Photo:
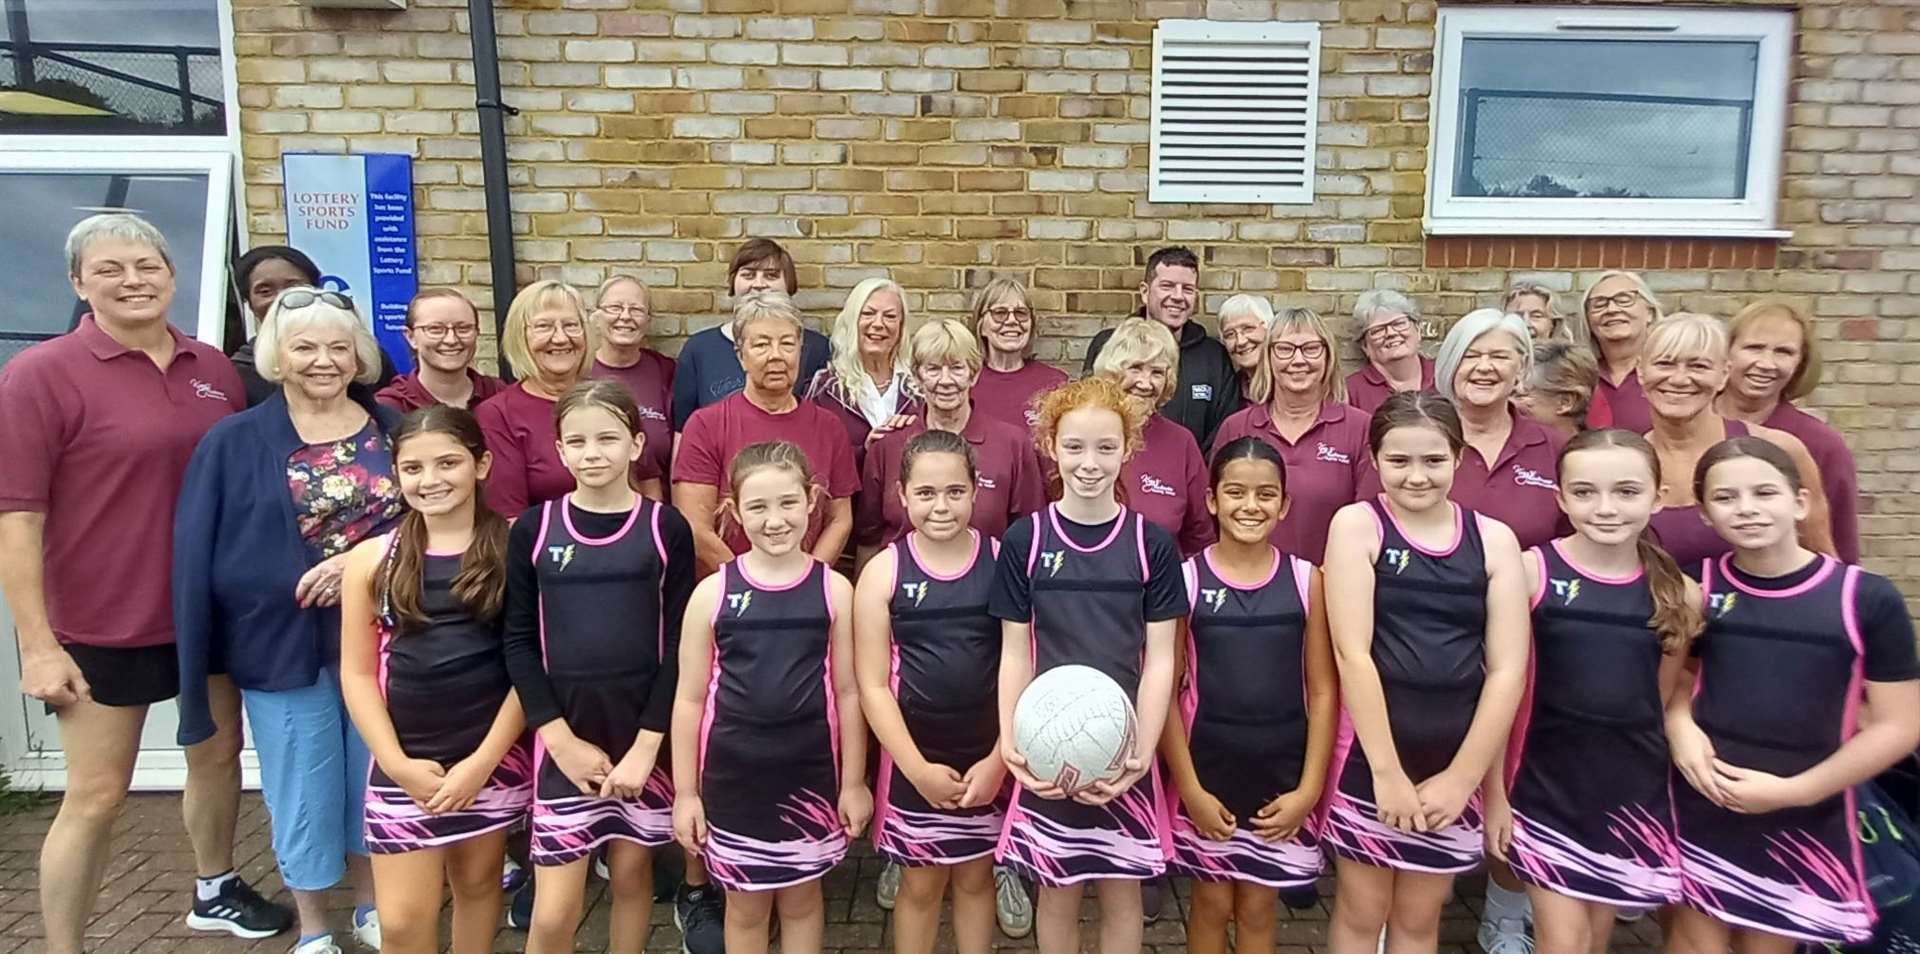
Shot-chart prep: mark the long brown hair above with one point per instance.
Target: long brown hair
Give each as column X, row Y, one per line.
column 1677, row 616
column 482, row 581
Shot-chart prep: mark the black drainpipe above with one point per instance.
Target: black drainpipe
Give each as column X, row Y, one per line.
column 493, row 163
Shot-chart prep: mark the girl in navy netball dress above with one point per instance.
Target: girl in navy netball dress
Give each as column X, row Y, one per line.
column 1248, row 744
column 1427, row 603
column 425, row 680
column 1769, row 742
column 929, row 664
column 1583, row 814
column 769, row 747
column 597, row 582
column 1090, row 582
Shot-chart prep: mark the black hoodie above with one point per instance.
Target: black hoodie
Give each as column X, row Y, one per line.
column 1208, row 389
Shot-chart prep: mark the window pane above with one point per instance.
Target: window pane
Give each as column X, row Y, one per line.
column 43, row 206
column 1588, row 118
column 144, row 67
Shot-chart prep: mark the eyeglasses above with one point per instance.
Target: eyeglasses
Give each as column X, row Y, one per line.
column 1005, row 314
column 1386, row 329
column 625, row 311
column 1625, row 299
column 547, row 329
column 438, row 332
column 299, row 298
column 1286, row 350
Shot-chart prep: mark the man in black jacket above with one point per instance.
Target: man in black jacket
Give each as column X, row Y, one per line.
column 1207, row 390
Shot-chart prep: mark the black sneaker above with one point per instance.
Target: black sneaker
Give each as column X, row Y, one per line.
column 520, row 911
column 1303, row 898
column 700, row 912
column 240, row 911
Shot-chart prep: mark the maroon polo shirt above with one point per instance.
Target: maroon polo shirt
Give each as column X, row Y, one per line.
column 651, row 381
column 527, row 469
column 406, row 393
column 1520, row 487
column 97, row 438
column 1008, row 480
column 1008, row 395
column 1166, row 482
column 718, row 431
column 1325, row 469
column 1622, row 406
column 1838, row 475
column 1367, row 388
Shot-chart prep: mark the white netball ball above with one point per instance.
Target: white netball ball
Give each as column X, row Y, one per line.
column 1074, row 726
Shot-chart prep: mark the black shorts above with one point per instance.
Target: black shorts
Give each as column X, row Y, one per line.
column 139, row 676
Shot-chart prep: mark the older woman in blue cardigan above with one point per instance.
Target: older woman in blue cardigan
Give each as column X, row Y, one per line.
column 273, row 499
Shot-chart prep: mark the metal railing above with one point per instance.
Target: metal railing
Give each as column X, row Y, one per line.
column 1539, row 143
column 147, row 88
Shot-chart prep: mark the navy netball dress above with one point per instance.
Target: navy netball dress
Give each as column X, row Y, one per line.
column 1592, row 814
column 1089, row 592
column 1429, row 645
column 770, row 736
column 1782, row 664
column 945, row 674
column 1245, row 702
column 608, row 645
column 443, row 683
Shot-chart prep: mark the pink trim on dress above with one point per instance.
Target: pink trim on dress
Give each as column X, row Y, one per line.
column 660, row 591
column 1272, row 571
column 546, row 519
column 1819, row 576
column 922, row 564
column 443, row 553
column 566, row 519
column 1559, row 546
column 1540, row 574
column 1191, row 575
column 1850, row 723
column 1459, row 528
column 1140, row 545
column 740, row 567
column 1053, row 514
column 1302, row 581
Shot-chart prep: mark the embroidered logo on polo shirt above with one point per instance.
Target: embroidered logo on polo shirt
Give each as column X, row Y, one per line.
column 1567, row 590
column 1720, row 603
column 1528, row 477
column 651, row 414
column 1326, row 453
column 1214, row 599
column 202, row 389
column 1203, row 392
column 1033, row 417
column 918, row 591
column 1150, row 484
column 1053, row 560
column 1397, row 558
column 738, row 602
column 985, row 482
column 561, row 555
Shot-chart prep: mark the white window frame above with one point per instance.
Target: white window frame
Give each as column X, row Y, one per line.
column 1213, row 31
column 1755, row 216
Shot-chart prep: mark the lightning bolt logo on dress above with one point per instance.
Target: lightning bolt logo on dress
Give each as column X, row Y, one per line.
column 738, row 602
column 1397, row 558
column 1567, row 590
column 1053, row 560
column 1215, row 599
column 1720, row 603
column 916, row 591
column 561, row 555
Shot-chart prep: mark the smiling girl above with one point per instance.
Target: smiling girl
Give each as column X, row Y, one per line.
column 1248, row 745
column 1769, row 741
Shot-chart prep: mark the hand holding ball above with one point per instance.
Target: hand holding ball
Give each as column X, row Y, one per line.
column 1075, row 726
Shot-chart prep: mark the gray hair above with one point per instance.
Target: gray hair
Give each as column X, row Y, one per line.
column 1376, row 300
column 113, row 225
column 1468, row 330
column 281, row 323
column 770, row 303
column 1246, row 305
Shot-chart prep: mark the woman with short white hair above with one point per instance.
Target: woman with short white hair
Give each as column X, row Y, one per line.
column 1166, row 479
column 1388, row 326
column 272, row 501
column 1534, row 302
column 1508, row 469
column 867, row 383
column 1243, row 329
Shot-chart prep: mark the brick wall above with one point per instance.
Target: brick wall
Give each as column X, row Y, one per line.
column 947, row 141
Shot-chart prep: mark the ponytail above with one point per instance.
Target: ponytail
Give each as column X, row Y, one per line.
column 1677, row 616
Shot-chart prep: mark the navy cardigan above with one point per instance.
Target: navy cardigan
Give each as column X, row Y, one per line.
column 237, row 556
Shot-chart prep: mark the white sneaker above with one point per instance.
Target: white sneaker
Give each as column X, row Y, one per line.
column 1012, row 908
column 319, row 945
column 1382, row 946
column 367, row 931
column 887, row 886
column 1626, row 915
column 600, row 867
column 1505, row 936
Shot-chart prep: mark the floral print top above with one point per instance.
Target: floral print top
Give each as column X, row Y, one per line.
column 343, row 491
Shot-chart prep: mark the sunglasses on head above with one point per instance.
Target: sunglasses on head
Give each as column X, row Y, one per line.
column 298, row 298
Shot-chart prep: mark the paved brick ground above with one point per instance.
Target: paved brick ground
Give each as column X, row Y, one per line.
column 141, row 903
